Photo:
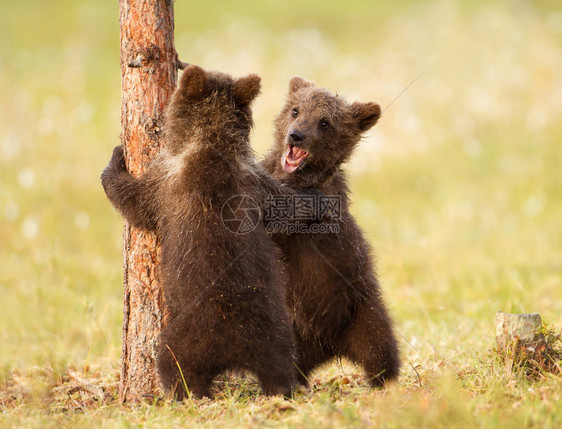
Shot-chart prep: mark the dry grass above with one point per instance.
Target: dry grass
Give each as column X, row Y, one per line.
column 482, row 393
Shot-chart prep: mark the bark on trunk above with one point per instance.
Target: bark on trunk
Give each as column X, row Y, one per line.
column 148, row 78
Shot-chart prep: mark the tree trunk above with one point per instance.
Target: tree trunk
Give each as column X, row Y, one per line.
column 148, row 78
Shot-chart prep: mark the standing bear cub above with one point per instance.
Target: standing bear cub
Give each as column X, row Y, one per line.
column 333, row 293
column 224, row 291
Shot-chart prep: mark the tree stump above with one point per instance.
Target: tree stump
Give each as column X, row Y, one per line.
column 517, row 336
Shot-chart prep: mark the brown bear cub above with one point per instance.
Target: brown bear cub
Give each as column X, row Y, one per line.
column 224, row 291
column 333, row 292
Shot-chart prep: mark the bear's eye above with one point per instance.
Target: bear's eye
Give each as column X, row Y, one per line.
column 324, row 124
column 295, row 112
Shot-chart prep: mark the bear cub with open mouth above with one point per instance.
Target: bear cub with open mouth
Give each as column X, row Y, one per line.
column 332, row 290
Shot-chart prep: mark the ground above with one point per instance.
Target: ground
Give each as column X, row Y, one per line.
column 458, row 188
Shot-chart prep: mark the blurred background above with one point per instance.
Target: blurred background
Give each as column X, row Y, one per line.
column 458, row 187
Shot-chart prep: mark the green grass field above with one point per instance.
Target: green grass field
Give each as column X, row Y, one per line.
column 459, row 189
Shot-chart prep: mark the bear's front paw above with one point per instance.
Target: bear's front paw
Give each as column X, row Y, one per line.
column 118, row 159
column 114, row 168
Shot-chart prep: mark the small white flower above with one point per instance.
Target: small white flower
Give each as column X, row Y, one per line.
column 30, row 227
column 11, row 146
column 26, row 177
column 535, row 204
column 82, row 220
column 11, row 211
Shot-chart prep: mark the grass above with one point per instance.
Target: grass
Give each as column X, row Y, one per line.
column 458, row 188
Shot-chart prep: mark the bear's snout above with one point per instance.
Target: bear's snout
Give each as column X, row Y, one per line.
column 296, row 136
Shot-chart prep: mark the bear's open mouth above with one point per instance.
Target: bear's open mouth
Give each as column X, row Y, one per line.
column 293, row 158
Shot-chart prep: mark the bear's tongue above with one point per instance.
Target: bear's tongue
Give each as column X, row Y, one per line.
column 293, row 158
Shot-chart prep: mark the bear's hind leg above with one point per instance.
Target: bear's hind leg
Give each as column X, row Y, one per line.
column 182, row 365
column 271, row 358
column 370, row 342
column 311, row 353
column 276, row 373
column 198, row 385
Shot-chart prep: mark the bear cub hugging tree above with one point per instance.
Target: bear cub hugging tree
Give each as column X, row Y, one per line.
column 333, row 293
column 224, row 291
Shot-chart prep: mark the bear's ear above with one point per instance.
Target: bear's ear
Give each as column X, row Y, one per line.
column 246, row 89
column 297, row 83
column 365, row 114
column 194, row 82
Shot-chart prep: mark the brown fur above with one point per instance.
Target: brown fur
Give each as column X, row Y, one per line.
column 333, row 292
column 224, row 291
